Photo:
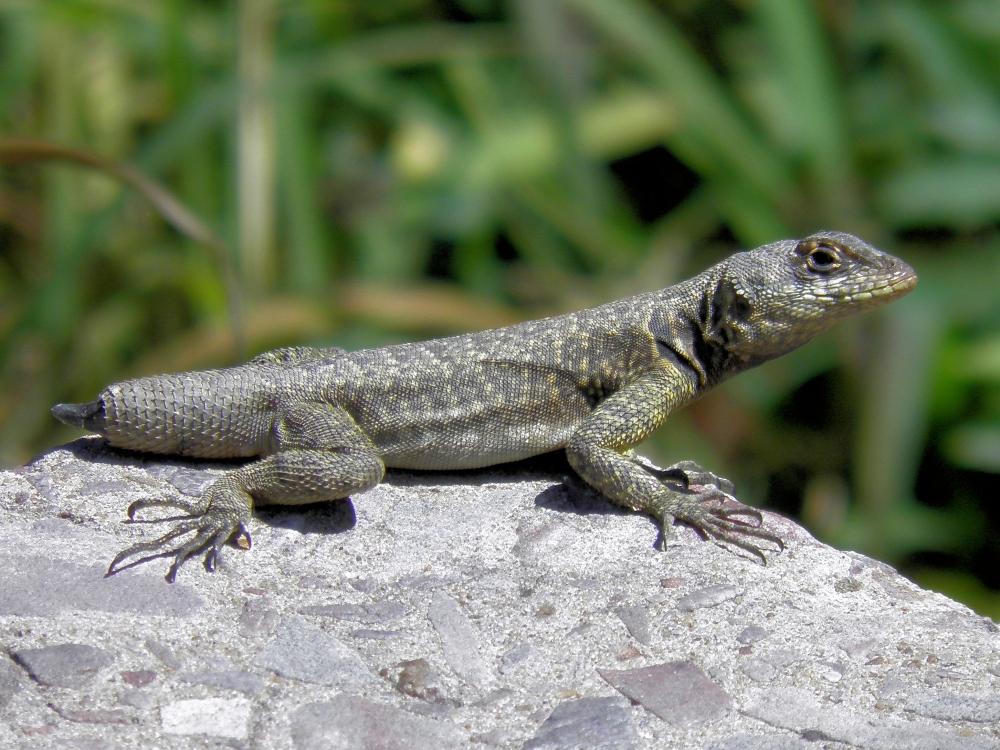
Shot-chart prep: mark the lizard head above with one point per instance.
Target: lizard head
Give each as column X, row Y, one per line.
column 770, row 300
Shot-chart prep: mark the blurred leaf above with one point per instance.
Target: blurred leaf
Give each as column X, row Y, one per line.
column 269, row 324
column 964, row 108
column 426, row 307
column 717, row 136
column 974, row 446
column 962, row 193
column 803, row 63
column 628, row 120
column 981, row 360
column 166, row 203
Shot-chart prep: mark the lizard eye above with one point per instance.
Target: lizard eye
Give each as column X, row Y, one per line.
column 822, row 260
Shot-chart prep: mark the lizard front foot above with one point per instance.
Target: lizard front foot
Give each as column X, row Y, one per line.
column 715, row 514
column 212, row 525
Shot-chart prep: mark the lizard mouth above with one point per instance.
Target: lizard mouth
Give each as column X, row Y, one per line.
column 901, row 282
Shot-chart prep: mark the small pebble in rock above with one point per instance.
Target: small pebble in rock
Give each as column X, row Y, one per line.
column 241, row 681
column 751, row 634
column 847, row 585
column 258, row 618
column 217, row 717
column 710, row 596
column 68, row 665
column 459, row 640
column 163, row 653
column 135, row 699
column 418, row 679
column 301, row 651
column 759, row 670
column 830, row 671
column 678, row 692
column 347, row 721
column 138, row 679
column 636, row 622
column 591, row 723
column 516, row 657
column 378, row 635
column 372, row 612
column 113, row 716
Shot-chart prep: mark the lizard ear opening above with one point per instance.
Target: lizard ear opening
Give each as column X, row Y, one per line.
column 726, row 310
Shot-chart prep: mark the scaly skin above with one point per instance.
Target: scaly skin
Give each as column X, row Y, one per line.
column 326, row 423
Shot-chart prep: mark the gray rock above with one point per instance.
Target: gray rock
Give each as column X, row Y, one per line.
column 517, row 656
column 941, row 704
column 192, row 482
column 258, row 618
column 710, row 596
column 800, row 711
column 587, row 724
column 41, row 586
column 636, row 622
column 759, row 670
column 85, row 743
column 301, row 651
column 136, row 699
column 751, row 634
column 369, row 613
column 509, row 561
column 349, row 722
column 678, row 692
column 68, row 665
column 163, row 653
column 458, row 640
column 762, row 742
column 100, row 716
column 10, row 680
column 241, row 681
column 378, row 635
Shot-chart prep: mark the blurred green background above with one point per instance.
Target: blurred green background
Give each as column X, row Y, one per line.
column 377, row 172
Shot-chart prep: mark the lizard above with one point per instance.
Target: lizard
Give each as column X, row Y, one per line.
column 325, row 424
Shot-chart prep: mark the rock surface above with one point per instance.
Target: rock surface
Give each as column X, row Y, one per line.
column 506, row 608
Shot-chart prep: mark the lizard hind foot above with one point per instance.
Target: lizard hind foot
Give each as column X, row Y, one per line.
column 719, row 516
column 211, row 530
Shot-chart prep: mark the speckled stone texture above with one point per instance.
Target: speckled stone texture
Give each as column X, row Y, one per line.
column 503, row 608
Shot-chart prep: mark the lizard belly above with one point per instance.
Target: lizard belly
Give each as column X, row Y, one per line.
column 462, row 416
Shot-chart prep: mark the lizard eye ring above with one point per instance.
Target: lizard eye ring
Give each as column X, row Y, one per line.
column 823, row 259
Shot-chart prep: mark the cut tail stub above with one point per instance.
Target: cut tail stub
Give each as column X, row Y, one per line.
column 85, row 416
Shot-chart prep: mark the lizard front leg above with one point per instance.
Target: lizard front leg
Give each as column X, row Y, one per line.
column 599, row 453
column 321, row 454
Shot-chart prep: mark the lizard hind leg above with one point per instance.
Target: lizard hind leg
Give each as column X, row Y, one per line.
column 321, row 454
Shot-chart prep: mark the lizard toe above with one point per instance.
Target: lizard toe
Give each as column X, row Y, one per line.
column 191, row 509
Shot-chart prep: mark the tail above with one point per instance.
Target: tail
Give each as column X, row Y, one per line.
column 89, row 417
